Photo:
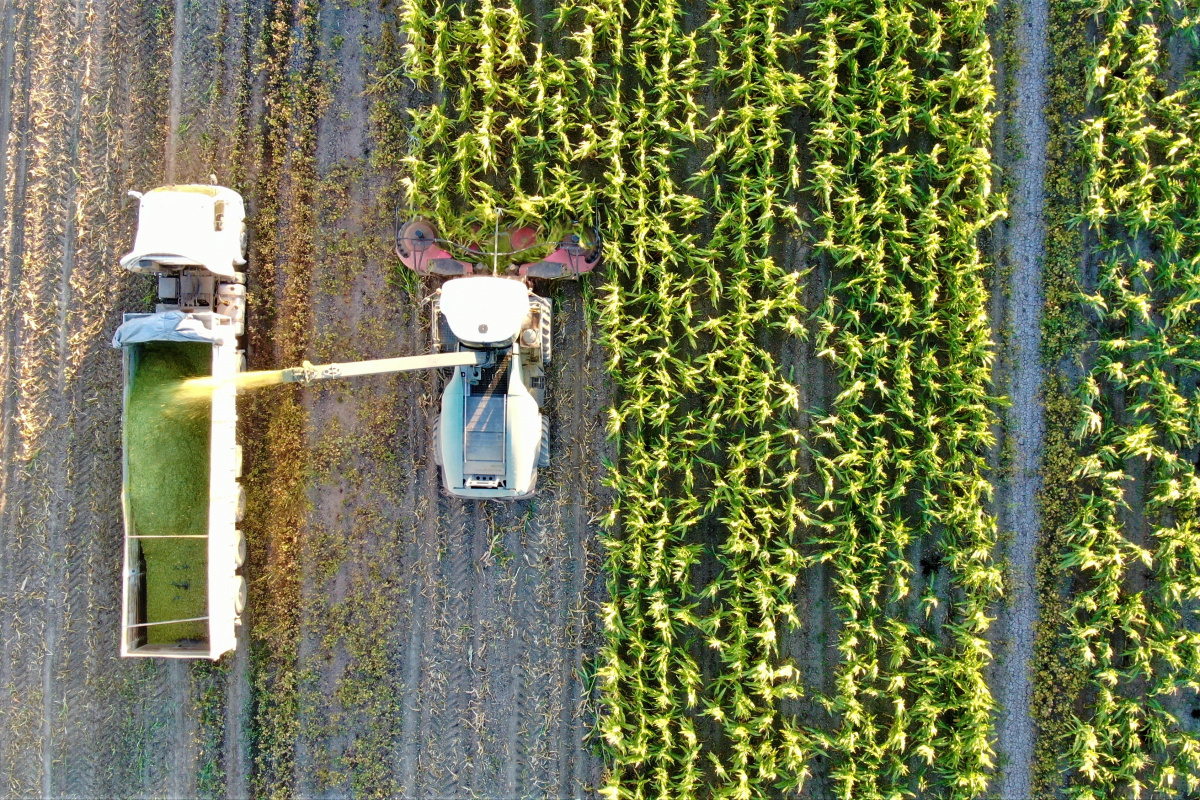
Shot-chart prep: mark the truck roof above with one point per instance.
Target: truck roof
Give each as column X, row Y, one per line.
column 191, row 225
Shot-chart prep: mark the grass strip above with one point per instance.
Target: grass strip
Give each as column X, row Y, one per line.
column 1057, row 682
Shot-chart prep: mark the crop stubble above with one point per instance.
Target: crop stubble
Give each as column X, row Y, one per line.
column 72, row 71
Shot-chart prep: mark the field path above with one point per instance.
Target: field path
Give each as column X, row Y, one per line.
column 176, row 90
column 1025, row 417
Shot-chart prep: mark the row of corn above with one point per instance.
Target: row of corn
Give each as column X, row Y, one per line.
column 902, row 122
column 705, row 417
column 1134, row 548
column 677, row 125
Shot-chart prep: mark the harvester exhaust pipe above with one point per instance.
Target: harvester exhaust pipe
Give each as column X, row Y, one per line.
column 306, row 373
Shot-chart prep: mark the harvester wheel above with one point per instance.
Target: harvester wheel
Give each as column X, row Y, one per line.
column 544, row 455
column 239, row 599
column 547, row 332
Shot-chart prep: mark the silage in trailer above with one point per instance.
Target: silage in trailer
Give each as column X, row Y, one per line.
column 168, row 452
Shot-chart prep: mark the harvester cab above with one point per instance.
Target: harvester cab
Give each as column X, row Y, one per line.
column 491, row 436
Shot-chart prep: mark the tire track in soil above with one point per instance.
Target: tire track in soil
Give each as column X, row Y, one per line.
column 12, row 483
column 62, row 505
column 175, row 99
column 537, row 657
column 577, row 405
column 443, row 761
column 481, row 523
column 413, row 719
column 1025, row 243
column 456, row 577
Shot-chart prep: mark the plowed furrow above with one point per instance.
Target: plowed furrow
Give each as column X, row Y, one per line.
column 457, row 577
column 15, row 636
column 413, row 656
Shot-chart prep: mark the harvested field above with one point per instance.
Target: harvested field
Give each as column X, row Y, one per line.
column 791, row 535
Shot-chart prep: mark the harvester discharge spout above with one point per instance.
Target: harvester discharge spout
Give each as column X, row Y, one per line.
column 308, row 373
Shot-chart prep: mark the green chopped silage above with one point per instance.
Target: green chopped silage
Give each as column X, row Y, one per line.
column 176, row 588
column 168, row 450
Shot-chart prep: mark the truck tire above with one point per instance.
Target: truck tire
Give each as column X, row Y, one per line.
column 437, row 441
column 544, row 455
column 239, row 599
column 239, row 549
column 240, row 513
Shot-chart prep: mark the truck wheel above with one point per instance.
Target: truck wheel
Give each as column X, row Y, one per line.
column 240, row 514
column 239, row 600
column 544, row 455
column 437, row 441
column 239, row 550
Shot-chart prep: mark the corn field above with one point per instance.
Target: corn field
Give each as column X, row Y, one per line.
column 1135, row 545
column 618, row 119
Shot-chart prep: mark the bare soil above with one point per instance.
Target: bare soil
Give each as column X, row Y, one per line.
column 1019, row 249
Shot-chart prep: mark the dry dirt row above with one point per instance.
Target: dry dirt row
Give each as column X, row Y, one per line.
column 1021, row 142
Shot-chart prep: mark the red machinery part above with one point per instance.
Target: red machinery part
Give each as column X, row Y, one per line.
column 570, row 259
column 418, row 249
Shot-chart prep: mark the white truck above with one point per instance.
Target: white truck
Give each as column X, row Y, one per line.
column 182, row 596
